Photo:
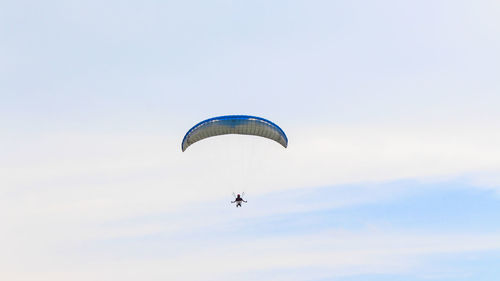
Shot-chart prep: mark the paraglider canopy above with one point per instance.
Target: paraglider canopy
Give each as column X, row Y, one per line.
column 235, row 124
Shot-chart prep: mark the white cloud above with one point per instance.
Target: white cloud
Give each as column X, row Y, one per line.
column 333, row 253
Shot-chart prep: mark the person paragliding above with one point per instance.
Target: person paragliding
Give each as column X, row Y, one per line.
column 238, row 201
column 234, row 124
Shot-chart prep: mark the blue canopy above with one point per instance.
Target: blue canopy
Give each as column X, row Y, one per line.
column 235, row 124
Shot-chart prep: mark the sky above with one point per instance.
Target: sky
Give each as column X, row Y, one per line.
column 391, row 110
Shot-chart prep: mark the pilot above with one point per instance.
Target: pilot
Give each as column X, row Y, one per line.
column 238, row 201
